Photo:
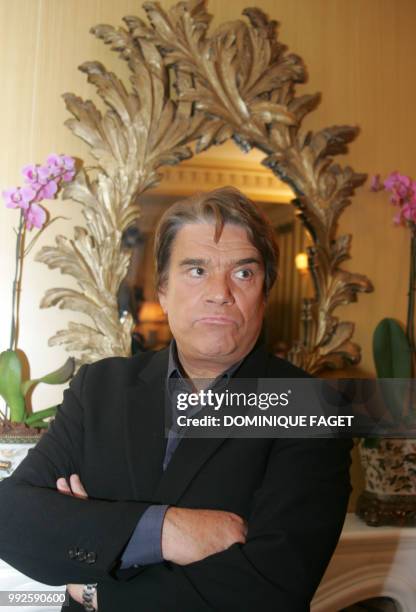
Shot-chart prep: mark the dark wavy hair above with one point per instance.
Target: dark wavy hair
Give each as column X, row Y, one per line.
column 220, row 206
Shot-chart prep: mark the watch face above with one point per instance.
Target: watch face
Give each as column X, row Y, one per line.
column 87, row 596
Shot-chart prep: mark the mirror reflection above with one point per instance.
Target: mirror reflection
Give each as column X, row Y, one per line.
column 282, row 324
column 221, row 165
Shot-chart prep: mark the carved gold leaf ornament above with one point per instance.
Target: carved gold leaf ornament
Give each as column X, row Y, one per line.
column 190, row 88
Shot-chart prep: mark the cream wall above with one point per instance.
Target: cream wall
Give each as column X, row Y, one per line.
column 360, row 54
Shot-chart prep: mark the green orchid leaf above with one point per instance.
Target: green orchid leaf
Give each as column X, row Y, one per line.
column 58, row 377
column 391, row 350
column 39, row 425
column 393, row 359
column 39, row 415
column 10, row 381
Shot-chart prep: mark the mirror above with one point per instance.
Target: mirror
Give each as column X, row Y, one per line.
column 283, row 324
column 190, row 89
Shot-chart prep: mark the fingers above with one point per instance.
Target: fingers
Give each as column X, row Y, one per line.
column 242, row 528
column 236, row 517
column 63, row 487
column 240, row 540
column 242, row 534
column 241, row 522
column 75, row 487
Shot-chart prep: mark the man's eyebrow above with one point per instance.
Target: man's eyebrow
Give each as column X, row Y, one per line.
column 246, row 260
column 192, row 261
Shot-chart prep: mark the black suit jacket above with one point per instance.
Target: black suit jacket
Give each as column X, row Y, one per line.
column 110, row 431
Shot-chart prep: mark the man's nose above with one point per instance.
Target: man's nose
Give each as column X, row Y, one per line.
column 219, row 291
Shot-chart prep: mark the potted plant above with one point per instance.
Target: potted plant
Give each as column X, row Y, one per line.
column 390, row 463
column 19, row 427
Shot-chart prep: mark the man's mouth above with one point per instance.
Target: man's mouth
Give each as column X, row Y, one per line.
column 217, row 320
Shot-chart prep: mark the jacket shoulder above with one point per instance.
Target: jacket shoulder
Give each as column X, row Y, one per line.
column 120, row 369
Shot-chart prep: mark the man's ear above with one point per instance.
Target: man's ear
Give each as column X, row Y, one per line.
column 162, row 299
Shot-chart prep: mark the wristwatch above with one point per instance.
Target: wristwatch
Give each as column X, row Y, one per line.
column 88, row 593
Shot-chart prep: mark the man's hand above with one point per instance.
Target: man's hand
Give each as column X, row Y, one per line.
column 188, row 535
column 191, row 535
column 76, row 489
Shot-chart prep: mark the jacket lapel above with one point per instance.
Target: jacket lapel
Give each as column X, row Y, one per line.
column 192, row 453
column 145, row 432
column 145, row 440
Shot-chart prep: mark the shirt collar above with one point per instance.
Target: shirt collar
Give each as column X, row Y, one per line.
column 177, row 381
column 176, row 370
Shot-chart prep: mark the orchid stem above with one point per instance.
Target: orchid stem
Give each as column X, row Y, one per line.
column 35, row 238
column 17, row 282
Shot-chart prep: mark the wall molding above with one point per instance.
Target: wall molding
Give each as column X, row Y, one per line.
column 254, row 181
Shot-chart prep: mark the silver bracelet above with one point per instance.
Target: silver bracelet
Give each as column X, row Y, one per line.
column 88, row 593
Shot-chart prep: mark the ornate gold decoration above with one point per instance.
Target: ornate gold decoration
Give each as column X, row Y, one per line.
column 188, row 87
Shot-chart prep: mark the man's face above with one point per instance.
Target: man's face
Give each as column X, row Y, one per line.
column 214, row 295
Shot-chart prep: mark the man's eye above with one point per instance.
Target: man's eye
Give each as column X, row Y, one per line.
column 244, row 274
column 197, row 271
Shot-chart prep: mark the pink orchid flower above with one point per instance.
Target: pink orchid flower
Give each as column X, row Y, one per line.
column 391, row 180
column 62, row 165
column 35, row 216
column 19, row 197
column 37, row 175
column 46, row 174
column 396, row 197
column 30, row 173
column 42, row 182
column 403, row 195
column 47, row 191
column 402, row 189
column 409, row 211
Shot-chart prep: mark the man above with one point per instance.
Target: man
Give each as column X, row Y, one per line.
column 158, row 524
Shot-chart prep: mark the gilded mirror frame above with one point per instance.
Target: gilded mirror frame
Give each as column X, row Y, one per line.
column 189, row 88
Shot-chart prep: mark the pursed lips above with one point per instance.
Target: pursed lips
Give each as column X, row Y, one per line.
column 216, row 320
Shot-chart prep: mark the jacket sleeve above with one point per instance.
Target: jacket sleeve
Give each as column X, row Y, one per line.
column 55, row 538
column 295, row 522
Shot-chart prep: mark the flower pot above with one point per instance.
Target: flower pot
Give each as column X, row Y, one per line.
column 389, row 468
column 15, row 442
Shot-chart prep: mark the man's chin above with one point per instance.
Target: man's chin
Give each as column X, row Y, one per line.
column 216, row 349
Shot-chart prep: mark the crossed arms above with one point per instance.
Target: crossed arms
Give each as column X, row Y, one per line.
column 188, row 535
column 213, row 560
